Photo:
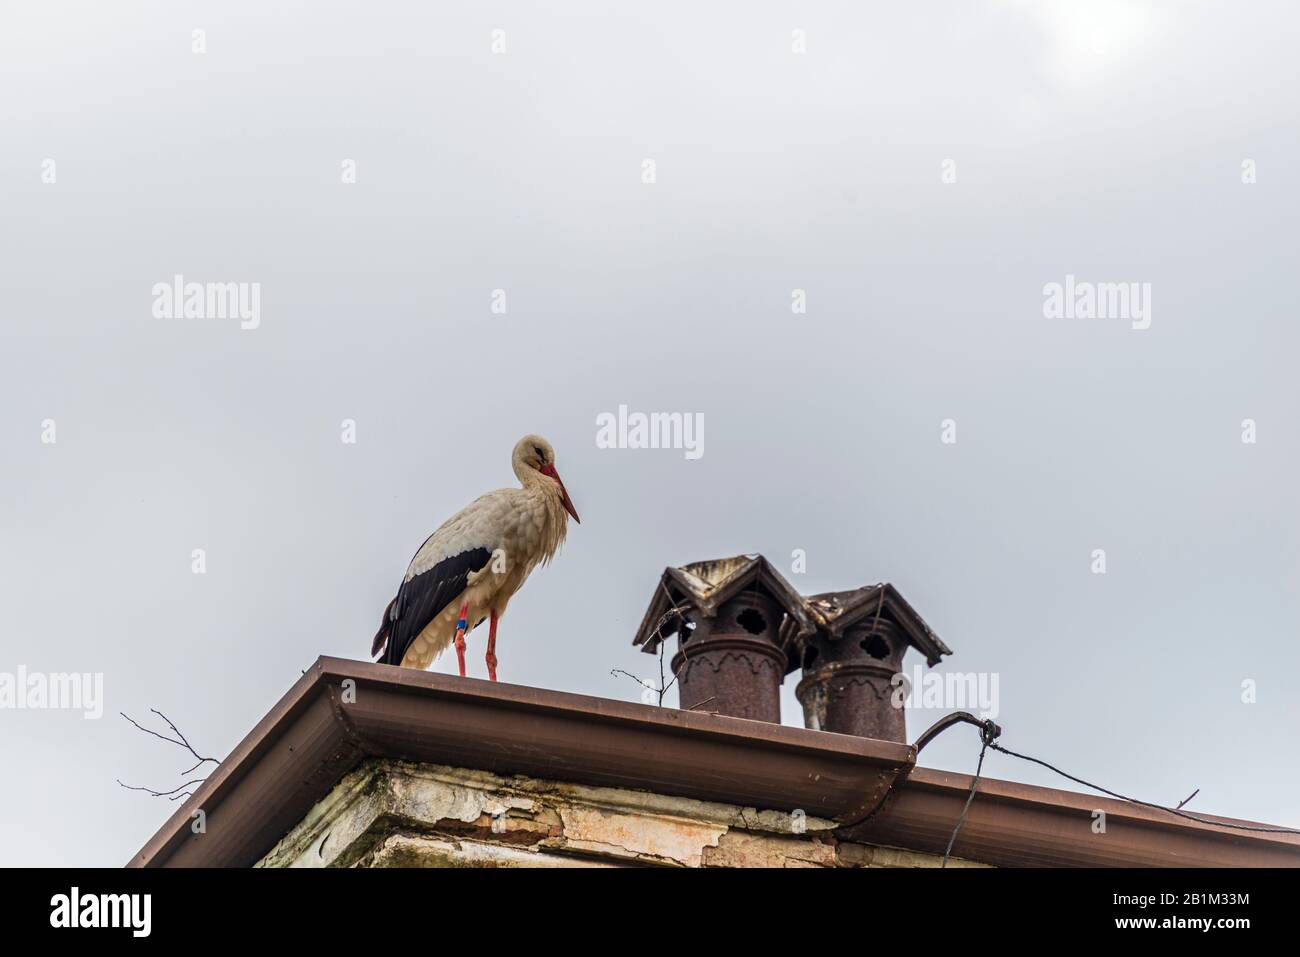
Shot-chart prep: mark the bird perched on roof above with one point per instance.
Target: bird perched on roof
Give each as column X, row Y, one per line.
column 475, row 562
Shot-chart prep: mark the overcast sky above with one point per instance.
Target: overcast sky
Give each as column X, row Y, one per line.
column 1104, row 141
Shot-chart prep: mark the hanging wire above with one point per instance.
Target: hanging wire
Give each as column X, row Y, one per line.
column 1158, row 807
column 989, row 732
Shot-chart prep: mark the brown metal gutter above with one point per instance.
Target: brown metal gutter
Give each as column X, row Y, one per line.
column 312, row 738
column 1020, row 825
column 341, row 712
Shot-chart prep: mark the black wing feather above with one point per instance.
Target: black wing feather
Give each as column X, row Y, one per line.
column 423, row 598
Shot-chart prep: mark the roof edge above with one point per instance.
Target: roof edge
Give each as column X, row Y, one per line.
column 311, row 738
column 316, row 733
column 1010, row 824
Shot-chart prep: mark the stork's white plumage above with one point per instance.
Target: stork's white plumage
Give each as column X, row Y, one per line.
column 470, row 567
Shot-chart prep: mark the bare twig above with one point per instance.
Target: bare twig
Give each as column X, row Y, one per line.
column 171, row 795
column 674, row 611
column 662, row 689
column 628, row 674
column 1186, row 799
column 180, row 741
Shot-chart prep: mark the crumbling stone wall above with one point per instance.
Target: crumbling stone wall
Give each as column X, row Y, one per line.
column 394, row 814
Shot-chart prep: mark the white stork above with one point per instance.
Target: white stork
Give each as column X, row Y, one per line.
column 475, row 562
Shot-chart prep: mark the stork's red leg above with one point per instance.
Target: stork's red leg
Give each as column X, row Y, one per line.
column 492, row 648
column 461, row 624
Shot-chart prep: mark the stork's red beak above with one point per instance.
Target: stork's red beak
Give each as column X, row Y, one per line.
column 564, row 493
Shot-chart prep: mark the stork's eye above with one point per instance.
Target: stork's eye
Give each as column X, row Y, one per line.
column 541, row 457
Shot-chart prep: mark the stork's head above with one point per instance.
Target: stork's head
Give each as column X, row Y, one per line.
column 534, row 454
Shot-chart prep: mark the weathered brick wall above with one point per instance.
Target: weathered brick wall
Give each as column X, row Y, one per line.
column 395, row 814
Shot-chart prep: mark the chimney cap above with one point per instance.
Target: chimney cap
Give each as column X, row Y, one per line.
column 708, row 585
column 836, row 611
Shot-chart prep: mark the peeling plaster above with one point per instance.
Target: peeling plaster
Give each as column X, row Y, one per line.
column 391, row 813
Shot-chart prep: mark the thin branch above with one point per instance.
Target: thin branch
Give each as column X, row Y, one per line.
column 166, row 794
column 183, row 742
column 661, row 689
column 180, row 791
column 627, row 674
column 149, row 731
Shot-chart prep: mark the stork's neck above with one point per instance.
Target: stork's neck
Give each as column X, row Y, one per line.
column 529, row 477
column 555, row 520
column 545, row 488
